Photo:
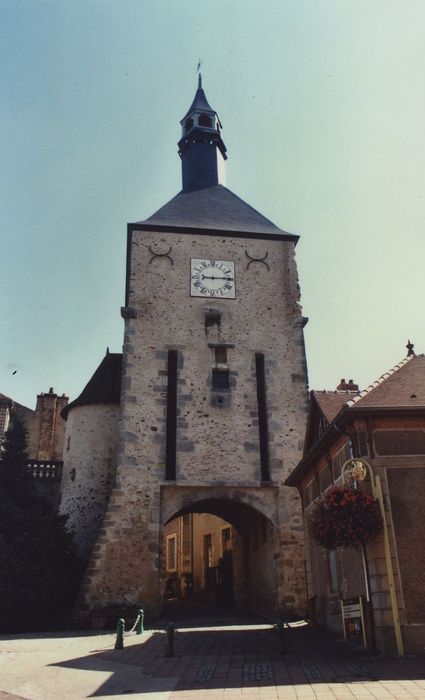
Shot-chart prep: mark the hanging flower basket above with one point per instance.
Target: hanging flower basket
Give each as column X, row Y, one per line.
column 346, row 518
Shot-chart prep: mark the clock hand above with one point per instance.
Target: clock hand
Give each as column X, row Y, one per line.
column 211, row 277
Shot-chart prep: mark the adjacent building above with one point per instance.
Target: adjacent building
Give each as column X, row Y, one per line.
column 384, row 425
column 45, row 433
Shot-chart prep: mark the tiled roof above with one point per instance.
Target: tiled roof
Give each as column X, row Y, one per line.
column 331, row 402
column 402, row 387
column 18, row 408
column 104, row 387
column 215, row 208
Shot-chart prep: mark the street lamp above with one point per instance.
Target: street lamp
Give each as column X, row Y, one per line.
column 358, row 469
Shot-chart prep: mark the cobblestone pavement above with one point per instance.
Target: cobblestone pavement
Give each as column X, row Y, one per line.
column 240, row 660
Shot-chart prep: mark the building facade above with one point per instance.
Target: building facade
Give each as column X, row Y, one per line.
column 45, row 434
column 385, row 426
column 213, row 396
column 201, row 554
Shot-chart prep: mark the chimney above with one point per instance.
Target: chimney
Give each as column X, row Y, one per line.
column 347, row 386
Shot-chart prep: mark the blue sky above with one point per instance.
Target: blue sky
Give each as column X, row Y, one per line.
column 322, row 105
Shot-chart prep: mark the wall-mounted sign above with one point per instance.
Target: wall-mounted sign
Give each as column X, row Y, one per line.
column 353, row 620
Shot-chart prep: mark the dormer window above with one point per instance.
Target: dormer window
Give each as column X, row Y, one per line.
column 205, row 120
column 188, row 124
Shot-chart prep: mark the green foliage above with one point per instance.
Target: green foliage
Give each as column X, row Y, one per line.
column 39, row 571
column 14, row 479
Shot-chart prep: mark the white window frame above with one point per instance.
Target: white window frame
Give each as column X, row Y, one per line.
column 171, row 538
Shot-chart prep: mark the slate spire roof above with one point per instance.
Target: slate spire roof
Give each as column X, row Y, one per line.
column 199, row 101
column 215, row 208
column 104, row 387
column 204, row 203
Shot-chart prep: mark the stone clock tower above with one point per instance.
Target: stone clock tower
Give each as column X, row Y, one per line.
column 213, row 392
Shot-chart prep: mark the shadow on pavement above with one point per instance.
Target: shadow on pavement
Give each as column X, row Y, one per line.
column 240, row 657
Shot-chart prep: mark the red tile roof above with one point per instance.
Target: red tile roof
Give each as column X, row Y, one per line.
column 402, row 387
column 331, row 402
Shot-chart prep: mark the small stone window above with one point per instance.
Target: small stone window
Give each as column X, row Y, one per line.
column 212, row 318
column 205, row 120
column 220, row 354
column 220, row 379
column 188, row 124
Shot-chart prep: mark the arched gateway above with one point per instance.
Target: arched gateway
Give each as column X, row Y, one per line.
column 252, row 514
column 213, row 395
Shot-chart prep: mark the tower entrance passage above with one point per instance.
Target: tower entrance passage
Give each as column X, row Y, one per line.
column 218, row 551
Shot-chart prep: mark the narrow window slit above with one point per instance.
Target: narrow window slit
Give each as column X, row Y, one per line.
column 262, row 416
column 171, row 424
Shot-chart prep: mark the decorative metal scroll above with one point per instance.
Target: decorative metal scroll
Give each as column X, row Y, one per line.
column 260, row 260
column 161, row 255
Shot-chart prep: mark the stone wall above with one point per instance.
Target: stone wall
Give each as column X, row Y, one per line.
column 217, row 445
column 88, row 470
column 46, row 428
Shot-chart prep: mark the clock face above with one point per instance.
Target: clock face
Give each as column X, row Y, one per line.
column 212, row 278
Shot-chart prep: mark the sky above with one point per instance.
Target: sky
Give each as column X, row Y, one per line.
column 323, row 111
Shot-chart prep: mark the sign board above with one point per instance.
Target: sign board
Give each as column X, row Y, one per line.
column 353, row 620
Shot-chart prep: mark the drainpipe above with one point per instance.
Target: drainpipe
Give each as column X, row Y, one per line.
column 370, row 622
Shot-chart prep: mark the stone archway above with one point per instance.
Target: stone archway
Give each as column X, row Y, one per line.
column 252, row 513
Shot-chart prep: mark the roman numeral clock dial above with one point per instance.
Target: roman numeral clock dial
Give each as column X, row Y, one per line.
column 212, row 278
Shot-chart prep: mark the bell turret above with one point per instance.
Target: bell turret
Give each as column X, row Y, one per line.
column 201, row 147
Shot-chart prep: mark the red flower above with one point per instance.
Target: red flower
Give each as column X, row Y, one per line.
column 346, row 518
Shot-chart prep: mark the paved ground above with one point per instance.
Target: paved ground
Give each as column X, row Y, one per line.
column 239, row 660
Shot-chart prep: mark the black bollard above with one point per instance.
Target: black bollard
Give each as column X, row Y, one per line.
column 169, row 640
column 281, row 634
column 119, row 644
column 140, row 621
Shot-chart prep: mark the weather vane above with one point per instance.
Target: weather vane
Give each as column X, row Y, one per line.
column 410, row 349
column 198, row 67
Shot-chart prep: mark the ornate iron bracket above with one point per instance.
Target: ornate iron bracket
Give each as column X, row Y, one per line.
column 161, row 255
column 260, row 260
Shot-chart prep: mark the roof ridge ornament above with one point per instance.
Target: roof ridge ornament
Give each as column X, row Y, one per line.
column 410, row 349
column 198, row 70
